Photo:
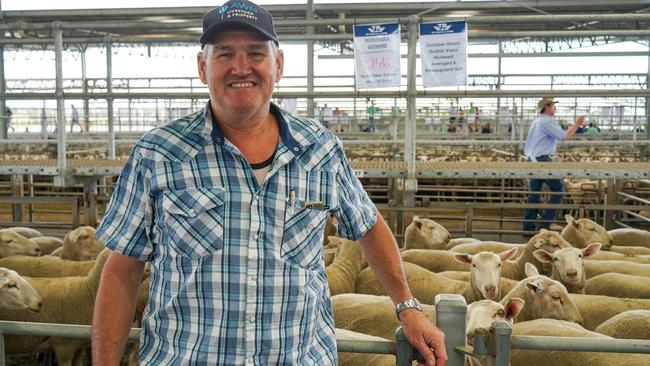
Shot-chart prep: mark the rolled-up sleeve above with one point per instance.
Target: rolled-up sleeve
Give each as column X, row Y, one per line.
column 123, row 228
column 553, row 129
column 356, row 213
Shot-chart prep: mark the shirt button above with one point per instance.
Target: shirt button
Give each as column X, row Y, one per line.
column 256, row 236
column 252, row 320
column 191, row 211
column 253, row 278
column 296, row 149
column 249, row 361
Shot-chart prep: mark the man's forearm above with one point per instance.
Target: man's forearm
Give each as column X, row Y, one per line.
column 382, row 254
column 114, row 310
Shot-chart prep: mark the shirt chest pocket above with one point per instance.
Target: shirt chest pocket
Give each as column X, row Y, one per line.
column 302, row 243
column 194, row 219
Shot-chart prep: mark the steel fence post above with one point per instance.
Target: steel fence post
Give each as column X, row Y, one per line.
column 450, row 318
column 404, row 351
column 500, row 344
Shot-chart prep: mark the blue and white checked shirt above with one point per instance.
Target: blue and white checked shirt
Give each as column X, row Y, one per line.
column 542, row 137
column 237, row 267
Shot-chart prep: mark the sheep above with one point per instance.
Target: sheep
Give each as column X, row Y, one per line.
column 425, row 234
column 480, row 316
column 619, row 285
column 344, row 270
column 27, row 232
column 47, row 266
column 362, row 359
column 596, row 267
column 331, row 228
column 48, row 244
column 631, row 237
column 16, row 293
column 583, row 232
column 633, row 324
column 424, row 284
column 567, row 265
column 486, row 246
column 370, row 314
column 434, row 260
column 630, row 250
column 544, row 298
column 596, row 309
column 68, row 300
column 485, row 272
column 547, row 240
column 505, row 284
column 457, row 241
column 12, row 243
column 80, row 244
column 559, row 328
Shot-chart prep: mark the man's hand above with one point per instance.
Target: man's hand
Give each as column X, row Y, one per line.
column 424, row 336
column 580, row 121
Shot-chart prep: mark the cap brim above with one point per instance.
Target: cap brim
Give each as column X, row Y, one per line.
column 212, row 31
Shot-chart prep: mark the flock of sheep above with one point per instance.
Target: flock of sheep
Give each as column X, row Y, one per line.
column 583, row 282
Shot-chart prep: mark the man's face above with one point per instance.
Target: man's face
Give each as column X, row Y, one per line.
column 240, row 68
column 550, row 109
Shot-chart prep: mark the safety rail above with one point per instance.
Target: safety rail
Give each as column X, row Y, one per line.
column 401, row 348
column 17, row 212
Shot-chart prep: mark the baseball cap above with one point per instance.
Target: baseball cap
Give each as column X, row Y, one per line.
column 238, row 12
column 544, row 102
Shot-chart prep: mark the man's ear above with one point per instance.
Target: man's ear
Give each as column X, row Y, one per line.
column 200, row 64
column 279, row 62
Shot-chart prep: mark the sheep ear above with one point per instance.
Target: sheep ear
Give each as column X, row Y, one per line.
column 463, row 258
column 514, row 307
column 571, row 221
column 531, row 270
column 507, row 254
column 540, row 243
column 334, row 240
column 72, row 236
column 4, row 281
column 542, row 230
column 535, row 286
column 591, row 249
column 543, row 256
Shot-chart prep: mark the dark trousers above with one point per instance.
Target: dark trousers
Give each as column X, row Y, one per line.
column 530, row 214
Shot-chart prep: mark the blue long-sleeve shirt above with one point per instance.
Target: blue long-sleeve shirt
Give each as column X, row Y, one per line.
column 542, row 137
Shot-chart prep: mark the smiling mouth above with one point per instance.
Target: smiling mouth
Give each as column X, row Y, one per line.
column 246, row 84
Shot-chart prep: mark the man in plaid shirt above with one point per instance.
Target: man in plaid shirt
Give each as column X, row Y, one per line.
column 229, row 206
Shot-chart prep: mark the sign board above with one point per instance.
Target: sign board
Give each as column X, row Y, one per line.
column 377, row 56
column 443, row 52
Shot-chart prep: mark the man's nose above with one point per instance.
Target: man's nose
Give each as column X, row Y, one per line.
column 241, row 66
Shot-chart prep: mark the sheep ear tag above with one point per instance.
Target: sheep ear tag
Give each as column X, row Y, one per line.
column 537, row 286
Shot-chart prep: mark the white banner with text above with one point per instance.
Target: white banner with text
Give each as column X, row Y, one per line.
column 377, row 56
column 443, row 52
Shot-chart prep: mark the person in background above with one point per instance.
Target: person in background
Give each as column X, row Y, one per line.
column 228, row 205
column 8, row 117
column 453, row 113
column 74, row 118
column 592, row 131
column 540, row 146
column 486, row 128
column 371, row 111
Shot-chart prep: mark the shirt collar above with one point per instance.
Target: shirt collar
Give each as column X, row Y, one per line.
column 296, row 137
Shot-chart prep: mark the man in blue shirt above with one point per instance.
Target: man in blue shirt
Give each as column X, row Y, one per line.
column 540, row 146
column 228, row 205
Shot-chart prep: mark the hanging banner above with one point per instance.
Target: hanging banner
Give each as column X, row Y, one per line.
column 443, row 52
column 377, row 56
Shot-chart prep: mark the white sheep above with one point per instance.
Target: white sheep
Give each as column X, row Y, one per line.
column 544, row 298
column 344, row 270
column 16, row 293
column 633, row 324
column 434, row 260
column 558, row 328
column 505, row 284
column 331, row 228
column 486, row 246
column 67, row 300
column 479, row 318
column 457, row 241
column 362, row 359
column 12, row 243
column 596, row 267
column 619, row 285
column 25, row 231
column 425, row 234
column 485, row 273
column 80, row 244
column 48, row 244
column 568, row 265
column 631, row 237
column 370, row 314
column 547, row 240
column 583, row 232
column 630, row 250
column 596, row 309
column 47, row 266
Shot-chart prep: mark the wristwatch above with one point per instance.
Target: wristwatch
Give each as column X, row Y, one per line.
column 407, row 304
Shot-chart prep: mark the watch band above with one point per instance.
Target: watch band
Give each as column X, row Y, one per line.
column 407, row 304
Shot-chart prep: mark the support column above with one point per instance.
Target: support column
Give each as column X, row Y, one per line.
column 4, row 125
column 410, row 183
column 647, row 100
column 17, row 190
column 84, row 87
column 109, row 100
column 497, row 123
column 90, row 204
column 310, row 59
column 60, row 105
